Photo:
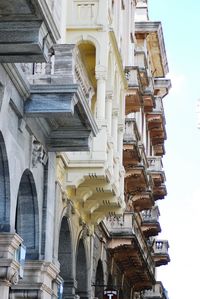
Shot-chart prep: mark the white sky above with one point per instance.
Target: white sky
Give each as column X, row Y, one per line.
column 180, row 210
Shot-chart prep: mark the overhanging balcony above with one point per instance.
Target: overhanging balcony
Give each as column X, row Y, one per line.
column 27, row 31
column 148, row 96
column 157, row 292
column 136, row 179
column 150, row 222
column 159, row 192
column 161, row 255
column 61, row 110
column 159, row 149
column 131, row 153
column 133, row 95
column 130, row 251
column 161, row 87
column 156, row 170
column 152, row 32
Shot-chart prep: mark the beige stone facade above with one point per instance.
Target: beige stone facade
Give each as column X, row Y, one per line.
column 82, row 132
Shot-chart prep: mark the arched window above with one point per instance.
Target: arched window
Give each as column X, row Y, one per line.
column 81, row 271
column 65, row 258
column 4, row 189
column 27, row 222
column 99, row 281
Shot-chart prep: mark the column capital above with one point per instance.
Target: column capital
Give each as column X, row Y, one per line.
column 9, row 272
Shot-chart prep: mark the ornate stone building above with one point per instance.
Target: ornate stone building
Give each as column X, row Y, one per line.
column 82, row 132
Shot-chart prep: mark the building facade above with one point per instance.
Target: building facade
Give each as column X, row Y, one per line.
column 82, row 132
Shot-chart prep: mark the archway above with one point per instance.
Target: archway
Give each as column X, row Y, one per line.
column 81, row 271
column 27, row 222
column 65, row 258
column 99, row 281
column 4, row 189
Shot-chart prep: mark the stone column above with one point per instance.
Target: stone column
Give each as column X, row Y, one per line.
column 115, row 114
column 108, row 112
column 9, row 243
column 101, row 94
column 120, row 142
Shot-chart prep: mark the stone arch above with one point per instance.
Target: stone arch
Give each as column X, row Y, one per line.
column 81, row 271
column 65, row 258
column 4, row 188
column 92, row 40
column 99, row 280
column 27, row 215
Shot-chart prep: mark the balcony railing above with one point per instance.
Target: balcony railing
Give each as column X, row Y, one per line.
column 73, row 73
column 150, row 222
column 155, row 164
column 161, row 255
column 131, row 133
column 158, row 291
column 133, row 95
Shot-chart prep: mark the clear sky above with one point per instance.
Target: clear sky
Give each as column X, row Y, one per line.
column 180, row 210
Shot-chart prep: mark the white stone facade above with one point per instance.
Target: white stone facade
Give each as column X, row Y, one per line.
column 82, row 132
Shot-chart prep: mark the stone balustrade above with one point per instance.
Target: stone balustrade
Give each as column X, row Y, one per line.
column 155, row 163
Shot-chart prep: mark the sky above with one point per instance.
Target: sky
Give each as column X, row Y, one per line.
column 180, row 210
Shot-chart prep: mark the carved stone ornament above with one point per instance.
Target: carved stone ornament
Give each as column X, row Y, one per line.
column 9, row 274
column 38, row 153
column 12, row 275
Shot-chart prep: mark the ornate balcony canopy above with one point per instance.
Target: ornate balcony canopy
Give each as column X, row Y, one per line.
column 150, row 222
column 27, row 31
column 161, row 255
column 130, row 251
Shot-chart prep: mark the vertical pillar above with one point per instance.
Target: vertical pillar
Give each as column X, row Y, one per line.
column 120, row 142
column 101, row 94
column 115, row 114
column 109, row 100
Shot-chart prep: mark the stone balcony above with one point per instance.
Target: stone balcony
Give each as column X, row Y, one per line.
column 130, row 251
column 159, row 192
column 133, row 95
column 60, row 101
column 157, row 292
column 156, row 170
column 150, row 222
column 161, row 86
column 159, row 149
column 148, row 96
column 141, row 63
column 131, row 152
column 156, row 123
column 158, row 177
column 160, row 252
column 153, row 34
column 27, row 31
